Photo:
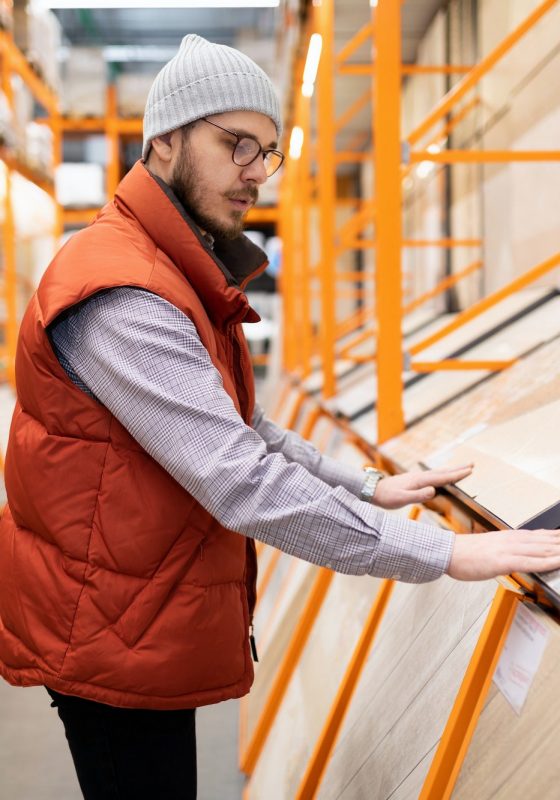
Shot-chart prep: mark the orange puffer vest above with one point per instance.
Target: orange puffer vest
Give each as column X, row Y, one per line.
column 115, row 584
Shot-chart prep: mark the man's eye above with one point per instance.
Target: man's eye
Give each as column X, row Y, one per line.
column 246, row 147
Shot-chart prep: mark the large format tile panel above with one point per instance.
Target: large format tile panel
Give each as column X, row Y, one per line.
column 407, row 690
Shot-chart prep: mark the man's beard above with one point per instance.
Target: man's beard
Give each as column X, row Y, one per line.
column 189, row 189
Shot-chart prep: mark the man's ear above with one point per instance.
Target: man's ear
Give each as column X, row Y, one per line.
column 162, row 146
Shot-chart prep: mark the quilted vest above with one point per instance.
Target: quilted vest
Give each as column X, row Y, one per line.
column 115, row 584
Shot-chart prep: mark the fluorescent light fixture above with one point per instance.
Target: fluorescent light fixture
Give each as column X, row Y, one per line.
column 161, row 4
column 312, row 64
column 373, row 3
column 129, row 52
column 424, row 168
column 296, row 142
column 434, row 148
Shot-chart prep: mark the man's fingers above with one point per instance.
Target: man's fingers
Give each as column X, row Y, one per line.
column 421, row 495
column 439, row 477
column 476, row 557
column 442, row 476
column 535, row 544
column 534, row 538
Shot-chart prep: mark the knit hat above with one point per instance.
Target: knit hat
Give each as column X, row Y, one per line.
column 203, row 79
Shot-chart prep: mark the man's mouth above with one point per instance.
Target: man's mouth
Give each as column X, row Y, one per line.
column 240, row 204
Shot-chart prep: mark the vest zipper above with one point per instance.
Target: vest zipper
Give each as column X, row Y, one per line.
column 252, row 642
column 238, row 370
column 229, row 350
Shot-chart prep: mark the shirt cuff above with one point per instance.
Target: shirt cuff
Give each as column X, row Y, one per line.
column 336, row 473
column 412, row 552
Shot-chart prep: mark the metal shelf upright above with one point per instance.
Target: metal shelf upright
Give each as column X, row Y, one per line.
column 393, row 159
column 14, row 62
column 387, row 308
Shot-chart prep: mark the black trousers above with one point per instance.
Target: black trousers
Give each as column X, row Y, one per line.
column 129, row 753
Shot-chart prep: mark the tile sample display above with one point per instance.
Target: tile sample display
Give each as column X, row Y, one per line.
column 517, row 465
column 530, row 383
column 312, row 688
column 516, row 756
column 407, row 690
column 437, row 389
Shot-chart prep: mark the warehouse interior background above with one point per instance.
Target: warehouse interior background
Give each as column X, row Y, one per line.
column 410, row 316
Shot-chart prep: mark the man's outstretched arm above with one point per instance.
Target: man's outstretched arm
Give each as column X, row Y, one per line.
column 395, row 491
column 143, row 359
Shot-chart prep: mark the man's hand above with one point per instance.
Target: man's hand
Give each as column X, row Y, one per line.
column 415, row 487
column 480, row 556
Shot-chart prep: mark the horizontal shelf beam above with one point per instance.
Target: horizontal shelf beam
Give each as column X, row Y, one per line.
column 366, row 244
column 83, row 216
column 262, row 215
column 458, row 365
column 29, row 173
column 484, row 156
column 408, row 69
column 488, row 302
column 18, row 63
column 79, row 216
column 78, row 125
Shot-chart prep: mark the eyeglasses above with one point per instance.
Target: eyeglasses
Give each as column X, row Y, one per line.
column 248, row 150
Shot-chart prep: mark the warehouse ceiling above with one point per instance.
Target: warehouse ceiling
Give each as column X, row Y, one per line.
column 142, row 40
column 163, row 27
column 158, row 32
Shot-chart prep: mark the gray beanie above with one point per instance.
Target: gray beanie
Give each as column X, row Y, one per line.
column 204, row 79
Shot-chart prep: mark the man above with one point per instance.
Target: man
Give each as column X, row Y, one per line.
column 137, row 455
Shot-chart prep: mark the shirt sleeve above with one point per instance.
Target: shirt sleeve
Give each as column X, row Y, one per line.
column 142, row 358
column 296, row 449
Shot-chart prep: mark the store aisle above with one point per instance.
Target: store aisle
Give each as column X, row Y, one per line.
column 35, row 763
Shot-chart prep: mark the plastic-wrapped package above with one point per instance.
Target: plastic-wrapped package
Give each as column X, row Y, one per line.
column 84, row 83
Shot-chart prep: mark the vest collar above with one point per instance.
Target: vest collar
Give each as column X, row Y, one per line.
column 219, row 275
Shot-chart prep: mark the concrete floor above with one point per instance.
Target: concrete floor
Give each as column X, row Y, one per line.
column 35, row 762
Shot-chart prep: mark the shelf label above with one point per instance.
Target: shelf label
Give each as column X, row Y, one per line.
column 521, row 657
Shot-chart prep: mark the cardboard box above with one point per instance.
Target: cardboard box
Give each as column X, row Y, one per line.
column 80, row 185
column 84, row 83
column 132, row 93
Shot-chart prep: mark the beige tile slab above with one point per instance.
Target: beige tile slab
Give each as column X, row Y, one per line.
column 513, row 756
column 439, row 388
column 533, row 382
column 407, row 688
column 312, row 688
column 517, row 464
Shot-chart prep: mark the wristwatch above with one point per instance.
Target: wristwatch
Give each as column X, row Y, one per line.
column 372, row 478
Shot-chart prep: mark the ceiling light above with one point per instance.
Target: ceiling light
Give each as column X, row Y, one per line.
column 162, row 4
column 296, row 142
column 311, row 64
column 424, row 169
column 128, row 52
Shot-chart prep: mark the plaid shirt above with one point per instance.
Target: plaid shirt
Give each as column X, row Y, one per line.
column 142, row 358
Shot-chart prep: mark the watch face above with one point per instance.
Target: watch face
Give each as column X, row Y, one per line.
column 373, row 476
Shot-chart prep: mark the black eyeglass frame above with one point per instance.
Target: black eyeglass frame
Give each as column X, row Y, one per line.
column 260, row 151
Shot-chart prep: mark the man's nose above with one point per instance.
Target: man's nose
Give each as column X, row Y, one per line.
column 255, row 171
